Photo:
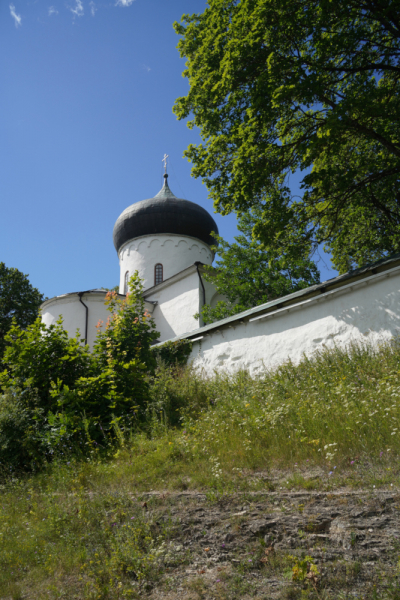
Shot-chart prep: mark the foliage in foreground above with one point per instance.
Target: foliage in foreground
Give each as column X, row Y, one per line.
column 19, row 300
column 173, row 353
column 56, row 392
column 249, row 275
column 299, row 85
column 80, row 528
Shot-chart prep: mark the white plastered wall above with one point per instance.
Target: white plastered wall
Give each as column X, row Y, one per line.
column 74, row 313
column 177, row 302
column 174, row 252
column 365, row 310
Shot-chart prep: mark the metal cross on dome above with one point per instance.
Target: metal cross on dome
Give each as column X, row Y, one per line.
column 164, row 160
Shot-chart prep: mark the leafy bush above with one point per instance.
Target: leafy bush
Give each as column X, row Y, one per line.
column 175, row 391
column 174, row 353
column 115, row 389
column 37, row 356
column 75, row 395
column 22, row 427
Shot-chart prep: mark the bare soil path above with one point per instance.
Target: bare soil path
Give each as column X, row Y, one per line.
column 250, row 545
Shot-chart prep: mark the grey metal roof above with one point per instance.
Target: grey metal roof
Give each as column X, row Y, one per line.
column 165, row 213
column 92, row 291
column 385, row 264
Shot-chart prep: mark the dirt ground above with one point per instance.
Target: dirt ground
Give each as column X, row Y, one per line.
column 279, row 545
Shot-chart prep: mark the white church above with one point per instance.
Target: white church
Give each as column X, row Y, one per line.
column 168, row 241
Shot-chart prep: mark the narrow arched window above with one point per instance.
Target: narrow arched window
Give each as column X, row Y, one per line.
column 126, row 281
column 158, row 274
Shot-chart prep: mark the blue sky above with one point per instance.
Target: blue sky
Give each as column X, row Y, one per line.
column 86, row 97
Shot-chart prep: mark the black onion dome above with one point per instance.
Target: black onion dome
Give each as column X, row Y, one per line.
column 165, row 213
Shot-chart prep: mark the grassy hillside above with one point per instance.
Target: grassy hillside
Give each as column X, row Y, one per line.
column 89, row 529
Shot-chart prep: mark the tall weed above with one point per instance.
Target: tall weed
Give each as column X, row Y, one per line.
column 331, row 408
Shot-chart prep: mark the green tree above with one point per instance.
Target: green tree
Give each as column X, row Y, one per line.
column 249, row 275
column 19, row 300
column 278, row 86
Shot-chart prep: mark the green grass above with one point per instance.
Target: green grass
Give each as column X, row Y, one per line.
column 337, row 410
column 79, row 529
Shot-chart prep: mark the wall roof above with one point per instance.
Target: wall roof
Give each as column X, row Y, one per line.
column 356, row 275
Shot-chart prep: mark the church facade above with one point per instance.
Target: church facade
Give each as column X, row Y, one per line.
column 168, row 241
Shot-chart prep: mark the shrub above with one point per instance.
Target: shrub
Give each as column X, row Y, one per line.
column 177, row 391
column 75, row 394
column 174, row 353
column 37, row 355
column 22, row 426
column 122, row 353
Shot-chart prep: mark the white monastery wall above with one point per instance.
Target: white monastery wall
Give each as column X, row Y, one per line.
column 368, row 309
column 177, row 302
column 174, row 252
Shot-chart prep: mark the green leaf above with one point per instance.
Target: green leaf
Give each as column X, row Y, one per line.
column 310, row 86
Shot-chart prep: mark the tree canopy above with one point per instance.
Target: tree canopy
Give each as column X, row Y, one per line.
column 19, row 300
column 248, row 275
column 278, row 86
